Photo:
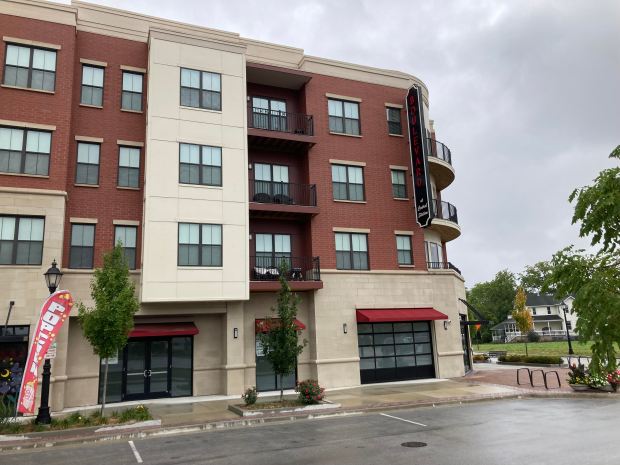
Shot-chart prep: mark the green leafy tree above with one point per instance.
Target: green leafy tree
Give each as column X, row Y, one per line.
column 534, row 276
column 494, row 299
column 521, row 315
column 107, row 324
column 280, row 342
column 594, row 278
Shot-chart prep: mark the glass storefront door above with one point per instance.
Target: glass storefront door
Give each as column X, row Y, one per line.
column 150, row 368
column 266, row 378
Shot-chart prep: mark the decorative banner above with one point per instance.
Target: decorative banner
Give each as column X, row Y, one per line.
column 54, row 312
column 419, row 164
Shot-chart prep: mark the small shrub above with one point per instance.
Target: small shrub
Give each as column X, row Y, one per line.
column 481, row 357
column 533, row 336
column 542, row 359
column 577, row 374
column 309, row 391
column 137, row 413
column 250, row 396
column 596, row 381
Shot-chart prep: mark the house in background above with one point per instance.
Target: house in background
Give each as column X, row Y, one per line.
column 548, row 318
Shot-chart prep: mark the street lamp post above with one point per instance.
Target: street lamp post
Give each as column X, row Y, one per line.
column 570, row 346
column 52, row 279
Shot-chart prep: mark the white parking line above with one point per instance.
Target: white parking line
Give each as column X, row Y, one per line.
column 402, row 419
column 135, row 452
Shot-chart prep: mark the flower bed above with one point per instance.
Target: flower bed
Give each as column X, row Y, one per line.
column 531, row 359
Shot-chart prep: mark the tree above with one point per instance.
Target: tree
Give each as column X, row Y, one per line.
column 534, row 276
column 494, row 299
column 594, row 278
column 108, row 323
column 280, row 342
column 521, row 315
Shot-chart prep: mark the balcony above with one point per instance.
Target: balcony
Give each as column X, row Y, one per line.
column 445, row 220
column 441, row 266
column 440, row 163
column 302, row 273
column 277, row 199
column 279, row 130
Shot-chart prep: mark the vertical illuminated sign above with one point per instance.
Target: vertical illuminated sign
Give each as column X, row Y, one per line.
column 419, row 164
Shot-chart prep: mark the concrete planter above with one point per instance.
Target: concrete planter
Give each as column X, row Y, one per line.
column 241, row 410
column 579, row 387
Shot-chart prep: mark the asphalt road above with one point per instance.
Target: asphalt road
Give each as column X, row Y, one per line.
column 528, row 431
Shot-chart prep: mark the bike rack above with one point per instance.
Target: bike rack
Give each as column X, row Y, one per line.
column 530, row 376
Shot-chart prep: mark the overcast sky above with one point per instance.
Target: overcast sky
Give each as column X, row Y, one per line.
column 525, row 93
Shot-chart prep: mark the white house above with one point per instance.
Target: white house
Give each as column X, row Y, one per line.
column 547, row 315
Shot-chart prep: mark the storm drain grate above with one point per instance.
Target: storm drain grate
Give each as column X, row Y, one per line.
column 414, row 444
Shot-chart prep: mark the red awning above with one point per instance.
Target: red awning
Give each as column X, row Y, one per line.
column 163, row 329
column 386, row 315
column 262, row 326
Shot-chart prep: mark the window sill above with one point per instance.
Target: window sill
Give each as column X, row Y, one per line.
column 406, row 266
column 124, row 188
column 132, row 111
column 86, row 105
column 42, row 176
column 85, row 185
column 345, row 134
column 189, row 267
column 184, row 184
column 349, row 201
column 395, row 135
column 352, row 270
column 201, row 109
column 41, row 91
column 21, row 267
column 78, row 270
column 401, row 198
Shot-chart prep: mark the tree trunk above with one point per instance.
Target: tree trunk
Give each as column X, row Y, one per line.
column 526, row 354
column 281, row 387
column 105, row 386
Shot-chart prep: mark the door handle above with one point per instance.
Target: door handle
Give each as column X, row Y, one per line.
column 147, row 373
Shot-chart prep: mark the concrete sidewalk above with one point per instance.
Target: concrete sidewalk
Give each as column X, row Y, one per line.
column 192, row 414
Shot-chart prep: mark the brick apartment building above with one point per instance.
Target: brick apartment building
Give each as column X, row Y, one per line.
column 213, row 158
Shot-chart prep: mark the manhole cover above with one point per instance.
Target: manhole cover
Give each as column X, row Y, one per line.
column 413, row 444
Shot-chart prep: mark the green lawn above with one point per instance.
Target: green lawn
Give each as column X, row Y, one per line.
column 558, row 348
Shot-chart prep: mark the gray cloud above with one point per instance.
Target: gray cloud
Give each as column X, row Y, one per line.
column 526, row 94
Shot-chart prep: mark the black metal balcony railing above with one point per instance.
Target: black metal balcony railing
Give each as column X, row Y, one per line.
column 281, row 121
column 285, row 193
column 267, row 267
column 442, row 266
column 445, row 211
column 438, row 150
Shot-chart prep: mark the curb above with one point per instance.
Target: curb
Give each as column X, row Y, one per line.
column 154, row 431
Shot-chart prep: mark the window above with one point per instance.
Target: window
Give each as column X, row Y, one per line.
column 92, row 86
column 351, row 251
column 129, row 167
column 269, row 114
column 403, row 249
column 271, row 180
column 29, row 67
column 533, row 311
column 200, row 165
column 548, row 310
column 25, row 151
column 126, row 236
column 87, row 164
column 272, row 250
column 21, row 240
column 131, row 98
column 348, row 182
column 393, row 121
column 399, row 186
column 82, row 246
column 344, row 117
column 434, row 255
column 569, row 325
column 201, row 89
column 200, row 244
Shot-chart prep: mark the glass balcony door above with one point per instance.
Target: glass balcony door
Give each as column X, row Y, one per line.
column 269, row 114
column 271, row 180
column 272, row 251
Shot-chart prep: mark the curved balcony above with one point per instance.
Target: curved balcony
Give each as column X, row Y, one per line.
column 445, row 220
column 440, row 163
